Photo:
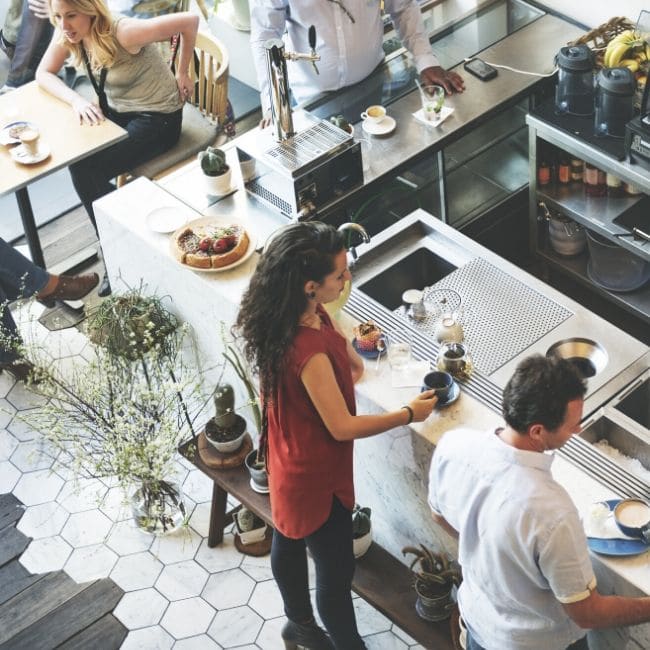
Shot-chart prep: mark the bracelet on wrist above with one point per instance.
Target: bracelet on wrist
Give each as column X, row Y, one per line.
column 410, row 412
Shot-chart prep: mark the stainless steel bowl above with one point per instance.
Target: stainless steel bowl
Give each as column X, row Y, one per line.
column 589, row 357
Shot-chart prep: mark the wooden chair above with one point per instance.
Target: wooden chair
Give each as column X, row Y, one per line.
column 202, row 116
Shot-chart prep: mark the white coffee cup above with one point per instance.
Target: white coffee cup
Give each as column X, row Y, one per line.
column 374, row 114
column 29, row 139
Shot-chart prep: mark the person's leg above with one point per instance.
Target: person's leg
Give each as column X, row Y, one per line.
column 331, row 548
column 33, row 38
column 18, row 275
column 149, row 136
column 11, row 27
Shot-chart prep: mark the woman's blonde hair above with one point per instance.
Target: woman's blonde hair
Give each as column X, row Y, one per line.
column 103, row 49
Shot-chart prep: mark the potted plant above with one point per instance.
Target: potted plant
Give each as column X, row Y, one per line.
column 121, row 412
column 246, row 165
column 226, row 430
column 257, row 469
column 216, row 172
column 342, row 123
column 361, row 530
column 434, row 580
column 250, row 527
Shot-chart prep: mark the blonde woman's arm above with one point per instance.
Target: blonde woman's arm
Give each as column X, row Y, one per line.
column 133, row 34
column 46, row 76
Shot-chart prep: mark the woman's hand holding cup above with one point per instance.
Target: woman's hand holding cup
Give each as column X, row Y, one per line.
column 423, row 405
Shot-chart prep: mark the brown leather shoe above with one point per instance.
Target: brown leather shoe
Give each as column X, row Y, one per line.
column 70, row 287
column 21, row 369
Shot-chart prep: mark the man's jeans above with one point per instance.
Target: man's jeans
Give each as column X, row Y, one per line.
column 471, row 644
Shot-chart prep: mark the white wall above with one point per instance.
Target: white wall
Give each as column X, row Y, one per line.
column 595, row 12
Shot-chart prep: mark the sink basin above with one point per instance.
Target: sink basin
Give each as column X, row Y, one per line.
column 418, row 270
column 588, row 357
column 637, row 405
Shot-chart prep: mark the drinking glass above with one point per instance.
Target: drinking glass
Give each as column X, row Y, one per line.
column 433, row 97
column 398, row 351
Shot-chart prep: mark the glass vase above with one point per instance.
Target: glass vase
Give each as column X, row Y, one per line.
column 158, row 507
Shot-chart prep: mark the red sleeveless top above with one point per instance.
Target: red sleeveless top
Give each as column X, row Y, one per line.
column 306, row 465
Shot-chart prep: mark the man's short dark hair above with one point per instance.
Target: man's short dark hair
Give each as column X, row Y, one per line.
column 538, row 392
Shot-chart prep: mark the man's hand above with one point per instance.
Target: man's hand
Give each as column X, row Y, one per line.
column 39, row 8
column 266, row 120
column 88, row 112
column 452, row 82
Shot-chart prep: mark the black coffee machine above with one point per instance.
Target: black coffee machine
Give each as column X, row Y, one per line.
column 637, row 133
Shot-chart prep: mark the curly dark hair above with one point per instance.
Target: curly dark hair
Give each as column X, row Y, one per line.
column 275, row 299
column 539, row 391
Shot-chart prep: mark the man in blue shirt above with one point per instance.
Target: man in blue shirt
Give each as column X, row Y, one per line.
column 528, row 582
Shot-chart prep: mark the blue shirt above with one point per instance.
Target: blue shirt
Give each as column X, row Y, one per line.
column 521, row 543
column 349, row 51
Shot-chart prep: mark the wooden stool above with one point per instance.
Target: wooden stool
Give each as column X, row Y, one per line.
column 216, row 460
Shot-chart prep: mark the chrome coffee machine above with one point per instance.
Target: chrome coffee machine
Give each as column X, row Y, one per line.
column 637, row 133
column 302, row 164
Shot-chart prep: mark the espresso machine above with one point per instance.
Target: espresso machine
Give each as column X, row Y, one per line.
column 303, row 164
column 637, row 133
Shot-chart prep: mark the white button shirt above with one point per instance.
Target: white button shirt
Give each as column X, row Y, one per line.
column 349, row 51
column 521, row 543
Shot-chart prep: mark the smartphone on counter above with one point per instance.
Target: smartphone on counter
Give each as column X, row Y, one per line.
column 480, row 69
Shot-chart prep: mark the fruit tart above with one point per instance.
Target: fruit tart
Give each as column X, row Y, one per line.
column 366, row 336
column 210, row 246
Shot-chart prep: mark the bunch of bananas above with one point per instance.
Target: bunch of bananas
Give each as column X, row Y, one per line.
column 628, row 50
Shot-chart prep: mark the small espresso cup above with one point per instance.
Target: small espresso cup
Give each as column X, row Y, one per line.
column 439, row 381
column 29, row 139
column 632, row 516
column 374, row 114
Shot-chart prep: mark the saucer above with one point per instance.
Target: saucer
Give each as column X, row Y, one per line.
column 257, row 488
column 5, row 134
column 387, row 125
column 220, row 195
column 444, row 113
column 616, row 546
column 21, row 155
column 166, row 219
column 367, row 354
column 454, row 394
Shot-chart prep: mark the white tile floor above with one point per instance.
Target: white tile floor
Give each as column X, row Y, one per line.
column 179, row 593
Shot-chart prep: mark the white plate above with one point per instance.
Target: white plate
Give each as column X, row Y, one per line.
column 220, row 195
column 219, row 221
column 387, row 125
column 166, row 219
column 6, row 138
column 444, row 113
column 21, row 155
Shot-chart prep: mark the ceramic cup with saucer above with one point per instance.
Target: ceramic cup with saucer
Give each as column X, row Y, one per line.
column 386, row 126
column 29, row 139
column 632, row 516
column 439, row 381
column 21, row 155
column 374, row 114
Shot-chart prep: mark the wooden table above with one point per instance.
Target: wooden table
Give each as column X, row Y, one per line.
column 61, row 132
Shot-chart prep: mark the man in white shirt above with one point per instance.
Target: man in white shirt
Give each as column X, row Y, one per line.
column 527, row 576
column 349, row 37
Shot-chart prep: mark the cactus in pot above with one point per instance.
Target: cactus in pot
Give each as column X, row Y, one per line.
column 226, row 430
column 224, row 406
column 216, row 171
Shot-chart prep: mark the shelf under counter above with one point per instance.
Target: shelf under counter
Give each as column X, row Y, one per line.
column 636, row 302
column 598, row 213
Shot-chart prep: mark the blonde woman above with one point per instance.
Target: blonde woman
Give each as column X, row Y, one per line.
column 135, row 86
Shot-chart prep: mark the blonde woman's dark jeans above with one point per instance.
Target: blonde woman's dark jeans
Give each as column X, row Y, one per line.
column 331, row 549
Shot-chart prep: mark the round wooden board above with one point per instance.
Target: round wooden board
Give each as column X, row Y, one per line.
column 257, row 549
column 213, row 458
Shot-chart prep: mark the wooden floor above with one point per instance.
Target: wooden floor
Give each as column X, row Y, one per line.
column 50, row 610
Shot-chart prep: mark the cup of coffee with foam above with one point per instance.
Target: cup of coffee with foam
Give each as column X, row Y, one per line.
column 374, row 114
column 632, row 516
column 29, row 139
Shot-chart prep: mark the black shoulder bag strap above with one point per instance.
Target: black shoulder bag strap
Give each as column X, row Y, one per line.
column 99, row 87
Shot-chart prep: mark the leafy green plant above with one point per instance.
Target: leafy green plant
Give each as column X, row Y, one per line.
column 361, row 522
column 433, row 572
column 213, row 161
column 341, row 122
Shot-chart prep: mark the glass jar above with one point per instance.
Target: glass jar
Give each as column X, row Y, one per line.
column 564, row 171
column 614, row 186
column 577, row 168
column 594, row 180
column 543, row 173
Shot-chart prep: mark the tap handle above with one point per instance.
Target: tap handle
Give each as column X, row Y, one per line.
column 275, row 55
column 312, row 37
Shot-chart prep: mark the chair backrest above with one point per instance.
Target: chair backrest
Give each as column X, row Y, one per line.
column 209, row 72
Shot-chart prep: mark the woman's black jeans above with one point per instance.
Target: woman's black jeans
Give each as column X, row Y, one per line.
column 150, row 134
column 331, row 549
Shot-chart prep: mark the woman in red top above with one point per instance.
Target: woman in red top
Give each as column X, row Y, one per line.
column 307, row 370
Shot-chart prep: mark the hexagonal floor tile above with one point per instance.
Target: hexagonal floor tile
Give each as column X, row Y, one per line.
column 8, row 444
column 44, row 520
column 201, row 642
column 176, row 547
column 37, row 487
column 228, row 589
column 23, row 398
column 34, row 455
column 115, row 505
column 47, row 554
column 137, row 571
column 258, row 568
column 7, row 412
column 148, row 637
column 233, row 627
column 142, row 608
column 79, row 495
column 188, row 617
column 67, row 343
column 126, row 538
column 384, row 641
column 220, row 558
column 266, row 600
column 198, row 486
column 85, row 528
column 90, row 563
column 9, row 476
column 182, row 580
column 369, row 620
column 269, row 637
column 6, row 383
column 200, row 519
column 21, row 430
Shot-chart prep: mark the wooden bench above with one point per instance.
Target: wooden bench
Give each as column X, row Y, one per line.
column 379, row 578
